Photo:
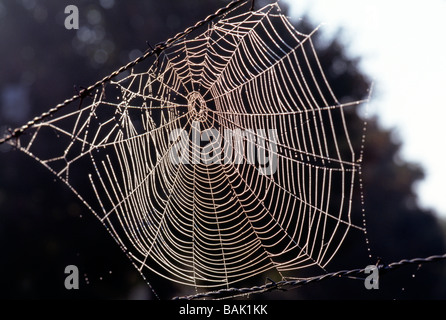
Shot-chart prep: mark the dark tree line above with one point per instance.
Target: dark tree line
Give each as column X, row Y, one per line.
column 44, row 228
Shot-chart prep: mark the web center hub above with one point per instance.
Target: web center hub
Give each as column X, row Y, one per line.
column 197, row 106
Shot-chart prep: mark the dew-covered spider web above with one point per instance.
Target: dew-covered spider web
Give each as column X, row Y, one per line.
column 227, row 156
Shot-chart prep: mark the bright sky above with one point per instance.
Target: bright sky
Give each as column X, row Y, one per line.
column 403, row 46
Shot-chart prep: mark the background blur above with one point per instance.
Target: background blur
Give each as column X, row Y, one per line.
column 44, row 228
column 398, row 42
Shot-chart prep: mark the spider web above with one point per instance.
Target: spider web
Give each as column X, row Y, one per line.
column 225, row 158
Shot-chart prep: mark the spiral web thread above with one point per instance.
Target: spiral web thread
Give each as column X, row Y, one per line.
column 271, row 193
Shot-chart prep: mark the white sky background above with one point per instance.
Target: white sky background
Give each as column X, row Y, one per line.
column 403, row 49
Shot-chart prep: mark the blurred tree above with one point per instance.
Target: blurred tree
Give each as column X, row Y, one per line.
column 43, row 228
column 397, row 228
